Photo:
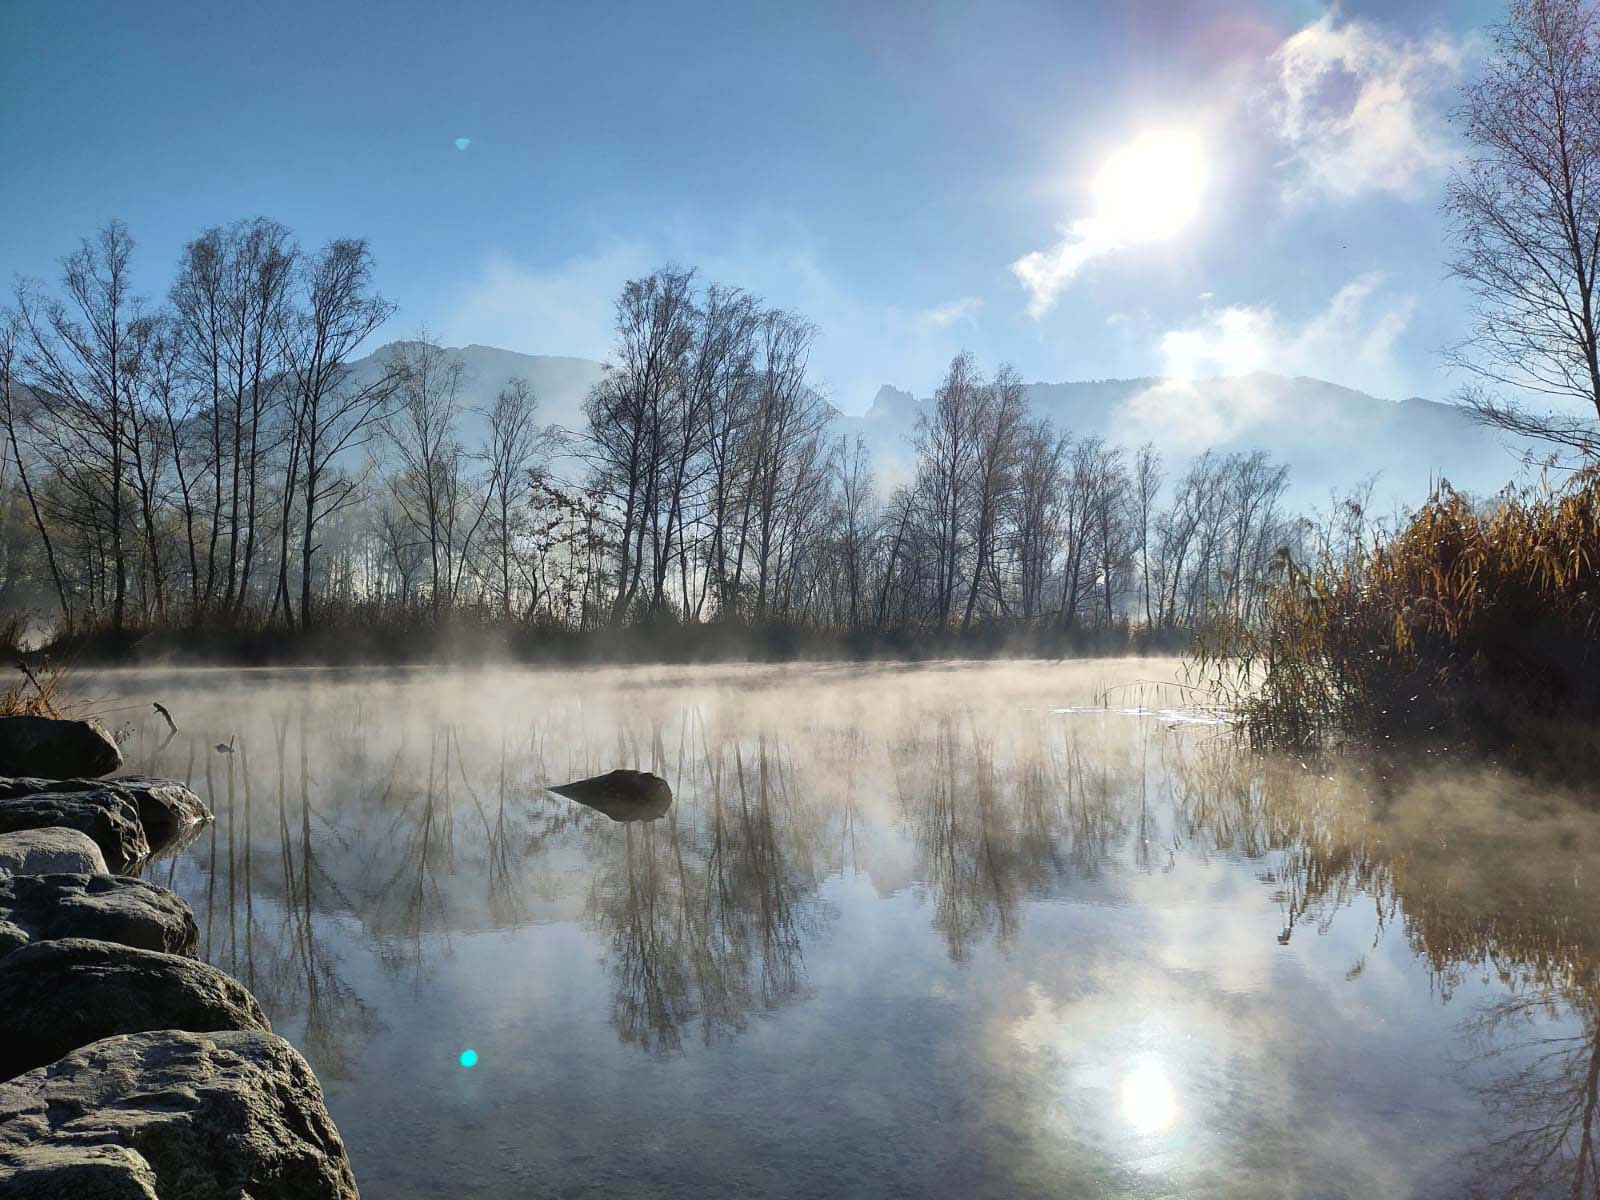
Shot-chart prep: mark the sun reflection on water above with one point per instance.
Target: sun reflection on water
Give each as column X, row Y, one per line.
column 1149, row 1101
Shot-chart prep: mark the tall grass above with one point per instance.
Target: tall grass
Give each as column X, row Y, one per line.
column 1467, row 623
column 34, row 692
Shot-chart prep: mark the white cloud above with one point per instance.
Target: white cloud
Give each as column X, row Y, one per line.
column 1044, row 273
column 944, row 315
column 1351, row 341
column 1358, row 110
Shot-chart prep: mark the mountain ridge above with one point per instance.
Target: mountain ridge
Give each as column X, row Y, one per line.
column 1332, row 437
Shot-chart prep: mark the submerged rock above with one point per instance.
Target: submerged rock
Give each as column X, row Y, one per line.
column 168, row 810
column 56, row 996
column 108, row 908
column 622, row 795
column 49, row 851
column 56, row 749
column 108, row 816
column 225, row 1115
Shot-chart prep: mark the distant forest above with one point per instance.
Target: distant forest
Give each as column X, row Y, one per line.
column 213, row 462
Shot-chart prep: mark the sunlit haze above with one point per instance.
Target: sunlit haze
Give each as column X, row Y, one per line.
column 960, row 600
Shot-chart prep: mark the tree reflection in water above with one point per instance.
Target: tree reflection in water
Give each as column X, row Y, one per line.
column 1485, row 873
column 346, row 829
column 704, row 912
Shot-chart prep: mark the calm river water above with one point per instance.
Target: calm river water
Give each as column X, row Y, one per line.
column 961, row 930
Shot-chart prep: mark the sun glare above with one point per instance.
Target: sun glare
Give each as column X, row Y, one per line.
column 1149, row 189
column 1149, row 1101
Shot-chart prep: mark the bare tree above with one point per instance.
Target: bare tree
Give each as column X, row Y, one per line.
column 1147, row 480
column 10, row 333
column 1525, row 211
column 1042, row 460
column 423, row 432
column 947, row 461
column 332, row 413
column 997, row 425
column 260, row 271
column 515, row 442
column 857, row 521
column 80, row 355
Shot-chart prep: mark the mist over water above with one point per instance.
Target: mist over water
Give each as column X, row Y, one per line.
column 940, row 930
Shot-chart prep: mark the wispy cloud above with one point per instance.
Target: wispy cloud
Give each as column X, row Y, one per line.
column 1044, row 273
column 1359, row 109
column 944, row 315
column 565, row 308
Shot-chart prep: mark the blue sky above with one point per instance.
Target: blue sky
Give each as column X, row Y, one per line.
column 881, row 167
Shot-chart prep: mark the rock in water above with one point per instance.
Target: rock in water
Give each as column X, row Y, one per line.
column 623, row 795
column 108, row 908
column 168, row 811
column 108, row 816
column 224, row 1115
column 56, row 749
column 59, row 995
column 49, row 852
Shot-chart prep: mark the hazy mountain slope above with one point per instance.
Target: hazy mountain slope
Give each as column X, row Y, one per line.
column 1332, row 437
column 560, row 383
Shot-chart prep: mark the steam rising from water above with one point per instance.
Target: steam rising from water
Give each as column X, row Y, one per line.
column 1027, row 924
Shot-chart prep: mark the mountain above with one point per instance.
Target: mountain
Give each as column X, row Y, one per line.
column 560, row 383
column 1332, row 437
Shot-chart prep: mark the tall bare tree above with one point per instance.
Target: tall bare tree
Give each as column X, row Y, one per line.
column 10, row 335
column 80, row 354
column 516, row 442
column 1525, row 212
column 332, row 412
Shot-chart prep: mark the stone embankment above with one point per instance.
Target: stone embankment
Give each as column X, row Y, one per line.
column 128, row 1068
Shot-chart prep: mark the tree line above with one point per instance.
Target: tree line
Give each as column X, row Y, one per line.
column 220, row 459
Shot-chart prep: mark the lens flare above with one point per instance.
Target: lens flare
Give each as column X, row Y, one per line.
column 469, row 1058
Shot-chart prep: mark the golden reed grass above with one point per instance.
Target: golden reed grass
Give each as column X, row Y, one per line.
column 1469, row 622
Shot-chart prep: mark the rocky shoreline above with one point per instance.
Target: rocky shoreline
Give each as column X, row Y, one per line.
column 129, row 1069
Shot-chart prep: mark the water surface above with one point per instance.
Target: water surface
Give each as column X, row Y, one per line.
column 950, row 930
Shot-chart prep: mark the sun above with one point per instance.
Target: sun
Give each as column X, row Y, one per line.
column 1151, row 188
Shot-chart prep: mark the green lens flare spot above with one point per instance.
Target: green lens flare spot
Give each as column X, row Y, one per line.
column 469, row 1058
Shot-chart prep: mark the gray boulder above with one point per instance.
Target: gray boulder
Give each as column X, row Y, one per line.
column 167, row 810
column 56, row 749
column 72, row 1172
column 56, row 996
column 109, row 817
column 108, row 908
column 48, row 852
column 217, row 1116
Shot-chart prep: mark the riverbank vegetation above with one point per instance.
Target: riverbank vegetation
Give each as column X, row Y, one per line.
column 1467, row 623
